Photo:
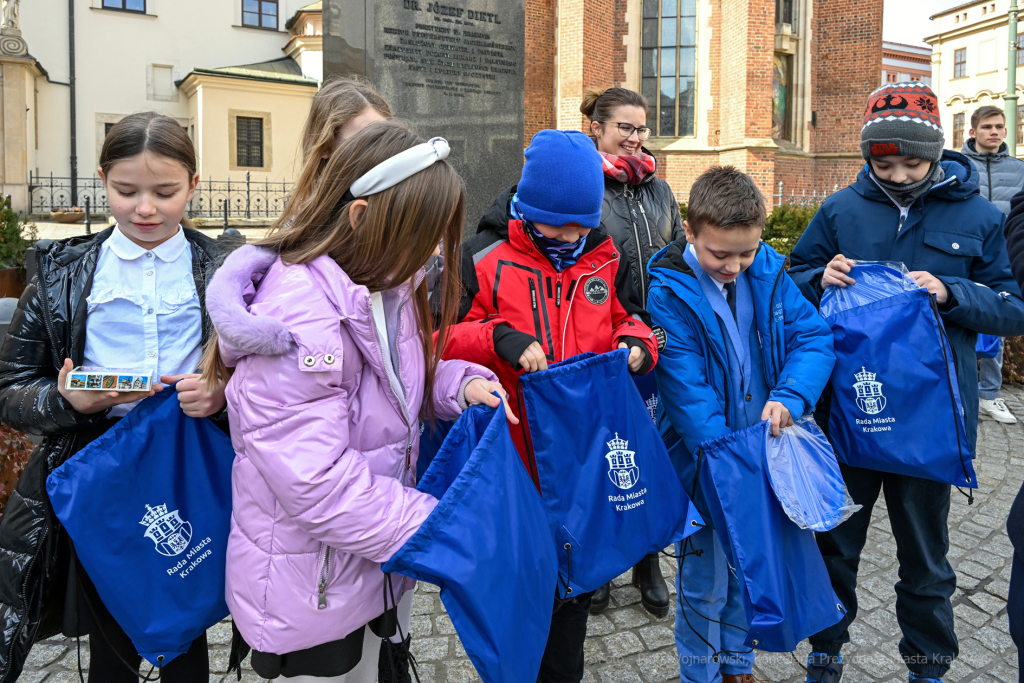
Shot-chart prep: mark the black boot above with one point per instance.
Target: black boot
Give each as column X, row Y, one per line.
column 393, row 662
column 653, row 589
column 600, row 600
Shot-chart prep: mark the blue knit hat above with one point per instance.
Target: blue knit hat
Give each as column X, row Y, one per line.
column 562, row 180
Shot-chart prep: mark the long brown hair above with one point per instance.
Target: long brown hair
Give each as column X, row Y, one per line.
column 399, row 230
column 152, row 132
column 338, row 101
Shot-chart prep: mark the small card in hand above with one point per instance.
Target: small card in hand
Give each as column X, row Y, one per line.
column 109, row 379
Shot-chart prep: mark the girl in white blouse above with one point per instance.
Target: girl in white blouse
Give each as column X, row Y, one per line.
column 143, row 297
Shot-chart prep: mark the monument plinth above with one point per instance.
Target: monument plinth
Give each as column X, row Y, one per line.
column 450, row 70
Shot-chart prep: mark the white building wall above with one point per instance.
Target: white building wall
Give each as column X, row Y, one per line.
column 115, row 54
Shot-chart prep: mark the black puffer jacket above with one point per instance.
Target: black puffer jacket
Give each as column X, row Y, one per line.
column 49, row 326
column 643, row 219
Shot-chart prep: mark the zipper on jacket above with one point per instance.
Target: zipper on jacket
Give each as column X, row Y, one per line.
column 628, row 192
column 323, row 574
column 988, row 170
column 401, row 396
column 771, row 324
column 568, row 311
column 558, row 292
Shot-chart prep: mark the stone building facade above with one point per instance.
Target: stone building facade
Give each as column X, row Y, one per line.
column 773, row 87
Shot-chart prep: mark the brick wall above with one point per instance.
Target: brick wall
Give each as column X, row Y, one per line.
column 539, row 97
column 847, row 55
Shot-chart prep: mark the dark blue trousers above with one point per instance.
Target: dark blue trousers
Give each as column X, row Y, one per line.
column 918, row 510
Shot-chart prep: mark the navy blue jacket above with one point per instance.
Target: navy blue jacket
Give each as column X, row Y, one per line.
column 693, row 369
column 951, row 232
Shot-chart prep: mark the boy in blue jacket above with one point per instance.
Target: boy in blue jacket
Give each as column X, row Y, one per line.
column 743, row 345
column 916, row 204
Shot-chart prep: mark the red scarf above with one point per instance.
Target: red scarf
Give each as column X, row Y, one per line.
column 628, row 169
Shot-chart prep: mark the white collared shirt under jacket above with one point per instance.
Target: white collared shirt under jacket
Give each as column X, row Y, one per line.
column 144, row 311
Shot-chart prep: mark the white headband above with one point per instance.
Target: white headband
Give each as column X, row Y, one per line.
column 403, row 165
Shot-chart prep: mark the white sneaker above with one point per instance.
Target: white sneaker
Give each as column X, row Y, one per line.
column 997, row 410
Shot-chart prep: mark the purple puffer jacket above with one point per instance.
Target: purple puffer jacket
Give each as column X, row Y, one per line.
column 325, row 445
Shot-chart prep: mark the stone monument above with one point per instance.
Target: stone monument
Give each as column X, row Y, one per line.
column 453, row 70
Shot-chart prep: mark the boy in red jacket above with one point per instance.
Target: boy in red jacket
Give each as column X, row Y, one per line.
column 541, row 284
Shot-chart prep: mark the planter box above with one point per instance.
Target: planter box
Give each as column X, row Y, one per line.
column 67, row 216
column 12, row 282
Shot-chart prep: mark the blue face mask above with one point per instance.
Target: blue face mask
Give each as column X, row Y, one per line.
column 561, row 254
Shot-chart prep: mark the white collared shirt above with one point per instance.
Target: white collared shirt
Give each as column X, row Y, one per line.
column 144, row 310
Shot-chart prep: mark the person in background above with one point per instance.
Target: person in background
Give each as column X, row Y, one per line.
column 641, row 214
column 1001, row 177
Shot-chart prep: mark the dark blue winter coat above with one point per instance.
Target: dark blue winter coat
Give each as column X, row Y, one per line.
column 693, row 370
column 951, row 232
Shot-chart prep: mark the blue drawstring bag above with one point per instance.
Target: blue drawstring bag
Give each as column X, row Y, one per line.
column 603, row 469
column 988, row 346
column 805, row 477
column 490, row 545
column 895, row 399
column 786, row 589
column 432, row 436
column 148, row 507
column 647, row 386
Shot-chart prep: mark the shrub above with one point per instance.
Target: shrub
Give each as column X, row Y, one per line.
column 785, row 224
column 16, row 236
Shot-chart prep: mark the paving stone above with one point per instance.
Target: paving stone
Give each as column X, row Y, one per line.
column 42, row 655
column 659, row 666
column 420, row 626
column 219, row 634
column 627, row 595
column 630, row 618
column 619, row 673
column 593, row 652
column 993, row 639
column 462, row 672
column 460, row 650
column 429, row 649
column 777, row 666
column 972, row 616
column 32, row 676
column 71, row 661
column 422, row 604
column 427, row 673
column 876, row 664
column 599, row 625
column 974, row 654
column 623, row 644
column 1000, row 589
column 883, row 622
column 989, row 603
column 657, row 637
column 988, row 559
column 623, row 579
column 970, row 568
column 444, row 626
column 424, row 587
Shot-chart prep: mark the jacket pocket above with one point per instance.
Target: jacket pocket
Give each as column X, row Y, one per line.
column 954, row 244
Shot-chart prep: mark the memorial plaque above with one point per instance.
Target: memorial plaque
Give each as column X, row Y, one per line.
column 453, row 70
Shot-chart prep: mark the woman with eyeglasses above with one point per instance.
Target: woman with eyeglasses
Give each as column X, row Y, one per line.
column 642, row 215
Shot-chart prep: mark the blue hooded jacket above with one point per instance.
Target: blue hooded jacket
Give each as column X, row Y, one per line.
column 693, row 370
column 951, row 232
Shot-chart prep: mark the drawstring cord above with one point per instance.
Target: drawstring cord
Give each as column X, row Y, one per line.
column 389, row 588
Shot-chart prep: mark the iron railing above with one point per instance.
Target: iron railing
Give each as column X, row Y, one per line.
column 802, row 198
column 213, row 198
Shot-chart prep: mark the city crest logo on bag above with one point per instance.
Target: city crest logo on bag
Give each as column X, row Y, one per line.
column 596, row 290
column 166, row 529
column 869, row 392
column 652, row 408
column 622, row 468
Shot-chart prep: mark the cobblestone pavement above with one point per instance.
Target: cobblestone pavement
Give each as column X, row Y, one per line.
column 627, row 645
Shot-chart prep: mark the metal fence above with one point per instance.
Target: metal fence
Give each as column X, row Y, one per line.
column 213, row 198
column 802, row 198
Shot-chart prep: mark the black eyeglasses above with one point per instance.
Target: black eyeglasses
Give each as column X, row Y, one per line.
column 626, row 129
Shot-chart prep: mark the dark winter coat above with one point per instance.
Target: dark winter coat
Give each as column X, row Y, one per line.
column 950, row 232
column 1000, row 176
column 643, row 219
column 47, row 327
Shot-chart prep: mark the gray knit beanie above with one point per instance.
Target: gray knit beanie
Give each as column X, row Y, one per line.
column 902, row 119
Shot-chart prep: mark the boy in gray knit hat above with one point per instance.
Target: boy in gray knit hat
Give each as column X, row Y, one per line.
column 914, row 203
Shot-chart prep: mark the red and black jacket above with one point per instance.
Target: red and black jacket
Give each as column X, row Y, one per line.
column 508, row 283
